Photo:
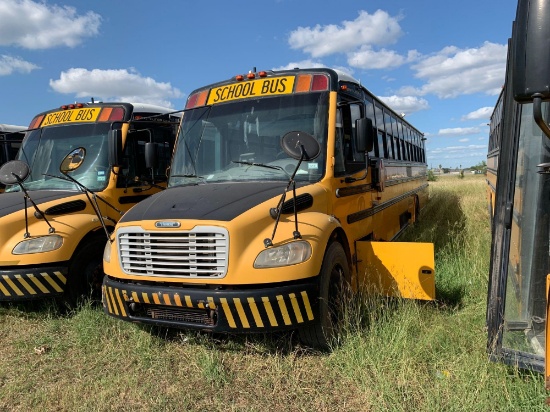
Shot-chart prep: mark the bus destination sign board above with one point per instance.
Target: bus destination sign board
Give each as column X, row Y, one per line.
column 71, row 116
column 250, row 89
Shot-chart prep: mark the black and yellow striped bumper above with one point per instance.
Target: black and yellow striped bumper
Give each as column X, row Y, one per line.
column 251, row 310
column 32, row 283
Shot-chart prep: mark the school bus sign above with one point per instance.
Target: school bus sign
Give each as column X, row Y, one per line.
column 254, row 88
column 71, row 116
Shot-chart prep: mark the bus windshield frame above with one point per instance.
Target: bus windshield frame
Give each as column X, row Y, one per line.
column 240, row 141
column 43, row 150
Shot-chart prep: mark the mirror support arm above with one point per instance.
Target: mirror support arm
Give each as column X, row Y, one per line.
column 537, row 114
column 39, row 213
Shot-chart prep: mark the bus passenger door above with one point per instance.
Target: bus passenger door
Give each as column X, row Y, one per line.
column 351, row 183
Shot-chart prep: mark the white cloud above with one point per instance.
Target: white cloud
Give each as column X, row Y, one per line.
column 455, row 156
column 366, row 58
column 405, row 104
column 482, row 113
column 377, row 29
column 464, row 140
column 114, row 85
column 37, row 25
column 452, row 71
column 458, row 131
column 9, row 65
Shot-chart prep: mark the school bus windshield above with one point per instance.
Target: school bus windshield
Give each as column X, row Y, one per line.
column 240, row 140
column 44, row 149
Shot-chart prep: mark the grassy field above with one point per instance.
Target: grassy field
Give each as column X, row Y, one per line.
column 395, row 355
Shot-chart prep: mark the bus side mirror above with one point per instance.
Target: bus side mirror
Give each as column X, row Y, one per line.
column 14, row 171
column 115, row 147
column 364, row 135
column 529, row 55
column 150, row 155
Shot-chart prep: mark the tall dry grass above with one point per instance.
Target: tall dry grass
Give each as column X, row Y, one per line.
column 395, row 355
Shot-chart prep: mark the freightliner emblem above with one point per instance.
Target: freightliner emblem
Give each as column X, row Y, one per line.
column 167, row 224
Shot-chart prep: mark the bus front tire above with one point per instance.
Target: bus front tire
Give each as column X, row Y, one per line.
column 85, row 273
column 324, row 332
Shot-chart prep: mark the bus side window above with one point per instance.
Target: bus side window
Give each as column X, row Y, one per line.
column 133, row 169
column 369, row 113
column 382, row 151
column 164, row 145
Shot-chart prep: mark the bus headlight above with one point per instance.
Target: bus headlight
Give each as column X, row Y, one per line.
column 38, row 245
column 285, row 255
column 107, row 252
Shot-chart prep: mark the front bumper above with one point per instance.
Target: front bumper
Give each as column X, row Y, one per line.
column 32, row 282
column 220, row 310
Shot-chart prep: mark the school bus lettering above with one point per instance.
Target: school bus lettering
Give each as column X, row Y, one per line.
column 85, row 115
column 235, row 91
column 274, row 86
column 253, row 88
column 71, row 116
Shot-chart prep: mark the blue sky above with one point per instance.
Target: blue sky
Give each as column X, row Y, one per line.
column 442, row 63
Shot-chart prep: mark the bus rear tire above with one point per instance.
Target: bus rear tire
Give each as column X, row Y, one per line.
column 324, row 332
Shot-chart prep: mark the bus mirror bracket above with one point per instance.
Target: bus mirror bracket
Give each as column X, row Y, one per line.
column 115, row 147
column 15, row 172
column 72, row 161
column 537, row 114
column 364, row 142
column 299, row 146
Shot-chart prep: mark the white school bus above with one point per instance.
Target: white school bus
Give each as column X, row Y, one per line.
column 54, row 219
column 284, row 187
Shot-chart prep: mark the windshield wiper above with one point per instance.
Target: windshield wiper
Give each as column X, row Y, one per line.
column 242, row 162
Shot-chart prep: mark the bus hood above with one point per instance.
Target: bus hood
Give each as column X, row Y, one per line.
column 213, row 201
column 12, row 202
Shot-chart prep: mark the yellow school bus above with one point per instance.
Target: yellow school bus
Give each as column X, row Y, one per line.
column 285, row 186
column 10, row 141
column 55, row 221
column 519, row 279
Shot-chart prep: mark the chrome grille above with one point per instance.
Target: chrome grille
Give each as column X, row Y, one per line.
column 199, row 253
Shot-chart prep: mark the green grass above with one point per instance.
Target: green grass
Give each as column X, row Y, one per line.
column 395, row 355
